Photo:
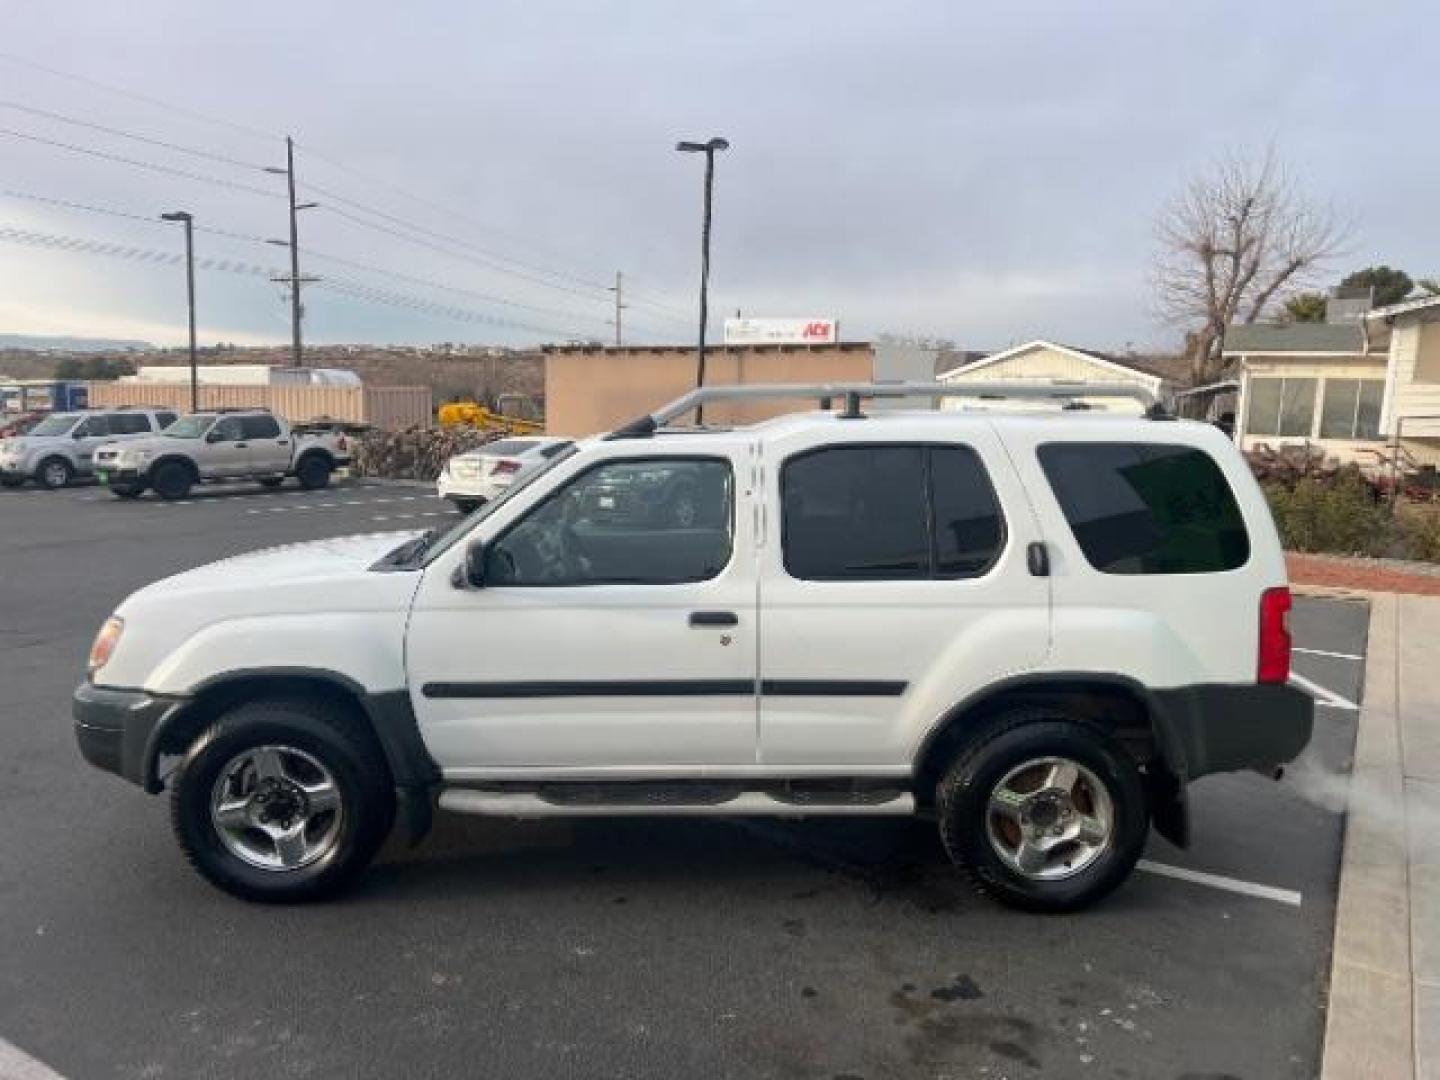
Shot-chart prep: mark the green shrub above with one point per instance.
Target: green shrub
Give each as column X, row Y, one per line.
column 1336, row 514
column 1420, row 535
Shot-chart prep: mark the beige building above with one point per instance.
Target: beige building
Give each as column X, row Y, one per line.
column 1350, row 385
column 590, row 388
column 1045, row 362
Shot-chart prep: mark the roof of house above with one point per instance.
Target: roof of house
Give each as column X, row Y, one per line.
column 1154, row 367
column 1327, row 338
column 1404, row 307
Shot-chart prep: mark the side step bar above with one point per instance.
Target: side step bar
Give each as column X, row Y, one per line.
column 523, row 804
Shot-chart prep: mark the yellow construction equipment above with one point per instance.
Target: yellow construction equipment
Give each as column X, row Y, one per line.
column 473, row 414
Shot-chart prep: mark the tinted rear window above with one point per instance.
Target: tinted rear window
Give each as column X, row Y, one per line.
column 260, row 427
column 1146, row 508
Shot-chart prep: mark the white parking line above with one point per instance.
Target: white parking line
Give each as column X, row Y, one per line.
column 1325, row 652
column 1219, row 881
column 1322, row 695
column 15, row 1064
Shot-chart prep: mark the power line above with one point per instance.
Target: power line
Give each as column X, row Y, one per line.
column 133, row 95
column 178, row 148
column 353, row 289
column 143, row 218
column 149, row 165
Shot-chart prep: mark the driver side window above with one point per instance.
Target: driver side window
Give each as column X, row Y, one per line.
column 229, row 430
column 656, row 521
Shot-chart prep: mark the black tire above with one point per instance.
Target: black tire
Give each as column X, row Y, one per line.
column 271, row 481
column 467, row 506
column 333, row 738
column 54, row 473
column 1008, row 742
column 127, row 491
column 172, row 480
column 313, row 472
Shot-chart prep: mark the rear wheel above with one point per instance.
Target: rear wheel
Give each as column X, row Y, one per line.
column 172, row 480
column 54, row 473
column 467, row 506
column 1044, row 812
column 313, row 472
column 282, row 801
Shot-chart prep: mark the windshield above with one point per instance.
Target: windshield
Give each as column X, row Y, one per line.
column 59, row 424
column 434, row 549
column 189, row 427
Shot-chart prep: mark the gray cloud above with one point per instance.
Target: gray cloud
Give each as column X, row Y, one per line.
column 987, row 173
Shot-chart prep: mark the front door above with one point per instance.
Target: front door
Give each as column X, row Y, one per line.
column 269, row 446
column 615, row 633
column 227, row 451
column 893, row 586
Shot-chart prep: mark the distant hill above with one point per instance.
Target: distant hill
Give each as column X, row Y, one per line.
column 35, row 343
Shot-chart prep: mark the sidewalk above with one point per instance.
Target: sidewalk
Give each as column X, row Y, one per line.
column 1384, row 1009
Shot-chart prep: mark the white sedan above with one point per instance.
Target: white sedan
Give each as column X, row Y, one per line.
column 474, row 478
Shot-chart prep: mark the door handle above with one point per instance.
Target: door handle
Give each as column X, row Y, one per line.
column 714, row 618
column 1037, row 560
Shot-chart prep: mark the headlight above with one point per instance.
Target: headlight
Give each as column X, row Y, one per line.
column 105, row 642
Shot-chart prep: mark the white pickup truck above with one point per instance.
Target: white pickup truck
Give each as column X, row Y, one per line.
column 251, row 444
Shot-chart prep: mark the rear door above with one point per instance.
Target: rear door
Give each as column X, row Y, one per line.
column 893, row 585
column 269, row 445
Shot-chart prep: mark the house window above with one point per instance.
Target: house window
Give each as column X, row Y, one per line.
column 1351, row 409
column 1281, row 407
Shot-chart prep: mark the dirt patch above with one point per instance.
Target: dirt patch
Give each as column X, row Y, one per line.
column 1358, row 574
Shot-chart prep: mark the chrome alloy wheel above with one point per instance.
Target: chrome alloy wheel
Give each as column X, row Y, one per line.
column 276, row 808
column 1049, row 818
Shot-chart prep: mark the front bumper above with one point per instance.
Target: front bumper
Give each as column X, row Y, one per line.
column 116, row 474
column 116, row 730
column 14, row 470
column 1214, row 728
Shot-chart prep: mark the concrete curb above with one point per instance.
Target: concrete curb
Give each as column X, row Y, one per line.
column 1370, row 1027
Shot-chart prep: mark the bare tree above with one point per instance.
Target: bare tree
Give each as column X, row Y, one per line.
column 1236, row 237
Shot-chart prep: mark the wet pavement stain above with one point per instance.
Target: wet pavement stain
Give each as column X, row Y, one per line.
column 962, row 988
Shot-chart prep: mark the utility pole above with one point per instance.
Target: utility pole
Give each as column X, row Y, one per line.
column 297, row 358
column 619, row 307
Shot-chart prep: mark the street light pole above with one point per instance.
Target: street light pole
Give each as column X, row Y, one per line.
column 708, row 149
column 189, row 222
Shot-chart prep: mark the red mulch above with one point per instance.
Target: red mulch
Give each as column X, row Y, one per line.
column 1345, row 574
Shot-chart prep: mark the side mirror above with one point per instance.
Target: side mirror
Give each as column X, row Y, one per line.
column 212, row 436
column 79, row 433
column 473, row 568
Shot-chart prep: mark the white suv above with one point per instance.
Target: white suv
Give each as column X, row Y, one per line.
column 1036, row 628
column 62, row 446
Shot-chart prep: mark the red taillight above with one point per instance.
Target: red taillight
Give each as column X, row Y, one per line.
column 1274, row 650
column 504, row 468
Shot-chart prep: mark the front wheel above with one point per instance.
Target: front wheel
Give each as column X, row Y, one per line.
column 1044, row 812
column 282, row 801
column 172, row 481
column 54, row 473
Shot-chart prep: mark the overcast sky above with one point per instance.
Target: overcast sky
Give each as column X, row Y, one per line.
column 988, row 173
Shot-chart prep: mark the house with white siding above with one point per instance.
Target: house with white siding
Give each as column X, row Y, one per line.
column 1045, row 362
column 1363, row 378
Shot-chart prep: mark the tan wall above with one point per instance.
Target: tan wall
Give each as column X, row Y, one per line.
column 1415, row 352
column 384, row 406
column 594, row 390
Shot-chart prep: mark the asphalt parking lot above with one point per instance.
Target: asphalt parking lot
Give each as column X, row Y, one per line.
column 701, row 948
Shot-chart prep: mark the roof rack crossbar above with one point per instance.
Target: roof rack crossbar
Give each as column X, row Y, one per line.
column 825, row 393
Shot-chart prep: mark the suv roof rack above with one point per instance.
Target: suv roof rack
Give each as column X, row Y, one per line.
column 853, row 393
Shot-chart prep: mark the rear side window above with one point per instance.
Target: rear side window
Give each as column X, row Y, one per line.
column 259, row 427
column 1147, row 508
column 129, row 423
column 888, row 513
